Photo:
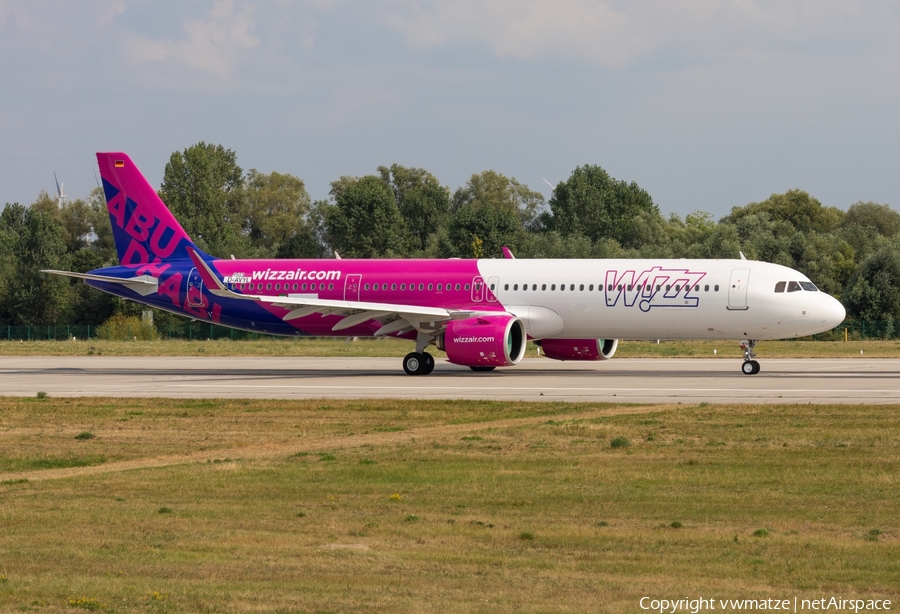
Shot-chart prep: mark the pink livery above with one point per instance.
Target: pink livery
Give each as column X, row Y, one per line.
column 480, row 312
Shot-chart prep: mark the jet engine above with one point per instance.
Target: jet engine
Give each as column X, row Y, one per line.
column 485, row 341
column 579, row 349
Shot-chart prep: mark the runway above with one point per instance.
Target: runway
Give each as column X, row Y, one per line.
column 682, row 380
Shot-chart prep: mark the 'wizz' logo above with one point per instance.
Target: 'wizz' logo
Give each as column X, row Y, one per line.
column 656, row 287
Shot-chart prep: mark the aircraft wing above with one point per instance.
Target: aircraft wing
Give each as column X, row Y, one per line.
column 142, row 284
column 395, row 318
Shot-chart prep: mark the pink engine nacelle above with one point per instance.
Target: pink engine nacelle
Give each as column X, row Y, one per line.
column 579, row 349
column 484, row 341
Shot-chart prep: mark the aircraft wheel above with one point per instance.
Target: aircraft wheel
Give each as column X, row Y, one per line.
column 750, row 367
column 482, row 368
column 429, row 363
column 414, row 363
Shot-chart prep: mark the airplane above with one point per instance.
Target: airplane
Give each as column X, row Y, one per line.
column 481, row 312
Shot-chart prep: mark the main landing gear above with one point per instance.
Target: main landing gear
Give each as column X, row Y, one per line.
column 418, row 363
column 750, row 366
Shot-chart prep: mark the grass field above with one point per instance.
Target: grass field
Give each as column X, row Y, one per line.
column 360, row 347
column 163, row 505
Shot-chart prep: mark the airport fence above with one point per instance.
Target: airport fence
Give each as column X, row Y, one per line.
column 62, row 332
column 193, row 330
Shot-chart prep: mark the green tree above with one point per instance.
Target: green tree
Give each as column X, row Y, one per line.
column 203, row 188
column 31, row 239
column 423, row 202
column 494, row 209
column 593, row 203
column 276, row 208
column 796, row 208
column 364, row 221
column 873, row 292
column 884, row 220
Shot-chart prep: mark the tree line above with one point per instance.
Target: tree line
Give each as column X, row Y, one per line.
column 404, row 212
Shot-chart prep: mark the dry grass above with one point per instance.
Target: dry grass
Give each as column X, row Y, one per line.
column 361, row 506
column 363, row 347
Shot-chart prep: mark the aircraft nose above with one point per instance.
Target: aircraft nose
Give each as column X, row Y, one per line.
column 833, row 313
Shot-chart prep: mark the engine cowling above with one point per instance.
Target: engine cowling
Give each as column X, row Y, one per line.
column 579, row 349
column 484, row 341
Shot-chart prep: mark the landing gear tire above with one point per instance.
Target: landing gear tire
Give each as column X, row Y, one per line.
column 429, row 363
column 414, row 363
column 482, row 368
column 750, row 367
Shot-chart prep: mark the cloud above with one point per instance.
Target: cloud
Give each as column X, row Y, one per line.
column 523, row 29
column 619, row 33
column 212, row 45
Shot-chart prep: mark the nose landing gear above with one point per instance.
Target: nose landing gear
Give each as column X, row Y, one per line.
column 750, row 366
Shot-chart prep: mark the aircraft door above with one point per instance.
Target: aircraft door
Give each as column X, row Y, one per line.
column 195, row 289
column 478, row 289
column 493, row 288
column 737, row 289
column 351, row 287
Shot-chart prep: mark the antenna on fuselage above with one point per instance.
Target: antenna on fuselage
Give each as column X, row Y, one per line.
column 743, row 257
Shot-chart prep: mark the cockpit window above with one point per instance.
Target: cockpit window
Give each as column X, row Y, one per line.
column 809, row 286
column 794, row 287
column 779, row 287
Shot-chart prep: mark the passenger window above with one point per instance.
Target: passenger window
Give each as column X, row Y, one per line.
column 668, row 287
column 430, row 287
column 793, row 286
column 421, row 287
column 658, row 287
column 268, row 286
column 525, row 287
column 533, row 287
column 515, row 286
column 543, row 286
column 403, row 286
column 457, row 287
column 552, row 287
column 562, row 287
column 609, row 287
column 706, row 288
column 278, row 286
column 331, row 286
column 321, row 286
column 591, row 288
column 366, row 287
column 467, row 287
column 506, row 286
column 441, row 285
column 393, row 286
column 779, row 287
column 716, row 287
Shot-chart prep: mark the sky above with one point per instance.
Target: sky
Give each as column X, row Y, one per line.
column 706, row 104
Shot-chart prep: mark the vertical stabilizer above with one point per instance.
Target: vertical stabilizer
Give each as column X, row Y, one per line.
column 144, row 229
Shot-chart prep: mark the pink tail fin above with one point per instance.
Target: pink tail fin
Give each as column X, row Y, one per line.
column 144, row 229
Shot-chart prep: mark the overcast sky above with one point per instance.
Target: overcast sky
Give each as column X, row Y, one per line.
column 706, row 104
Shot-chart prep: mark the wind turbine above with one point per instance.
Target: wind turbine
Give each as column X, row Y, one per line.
column 60, row 194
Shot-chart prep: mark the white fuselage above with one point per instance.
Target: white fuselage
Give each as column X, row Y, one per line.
column 659, row 299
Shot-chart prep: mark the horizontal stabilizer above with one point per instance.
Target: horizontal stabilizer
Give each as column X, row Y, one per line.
column 143, row 284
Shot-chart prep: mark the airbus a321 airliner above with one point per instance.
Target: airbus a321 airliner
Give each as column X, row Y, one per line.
column 480, row 312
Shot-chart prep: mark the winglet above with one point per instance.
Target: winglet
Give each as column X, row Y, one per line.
column 507, row 253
